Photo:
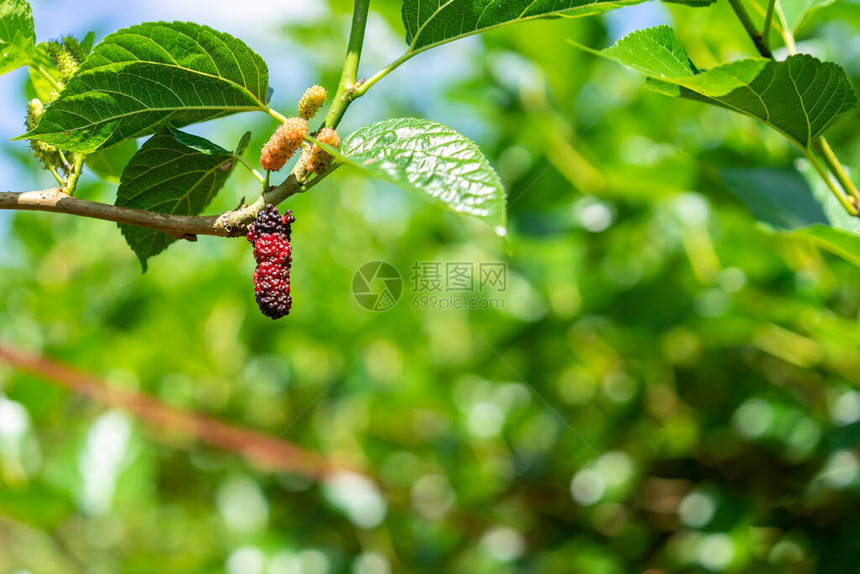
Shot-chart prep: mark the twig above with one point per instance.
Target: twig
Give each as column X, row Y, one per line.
column 768, row 20
column 56, row 201
column 228, row 224
column 259, row 449
column 749, row 26
column 347, row 86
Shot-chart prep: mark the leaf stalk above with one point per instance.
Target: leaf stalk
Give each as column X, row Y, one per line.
column 750, row 27
column 848, row 196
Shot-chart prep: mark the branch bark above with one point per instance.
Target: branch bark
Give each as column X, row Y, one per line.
column 57, row 201
column 227, row 224
column 266, row 452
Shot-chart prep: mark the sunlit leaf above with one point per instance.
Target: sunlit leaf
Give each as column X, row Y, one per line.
column 799, row 97
column 17, row 34
column 433, row 160
column 141, row 78
column 434, row 22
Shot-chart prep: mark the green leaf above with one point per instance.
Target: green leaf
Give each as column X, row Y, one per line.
column 173, row 172
column 147, row 76
column 779, row 198
column 692, row 3
column 845, row 244
column 796, row 11
column 800, row 97
column 787, row 203
column 430, row 23
column 109, row 163
column 432, row 160
column 17, row 34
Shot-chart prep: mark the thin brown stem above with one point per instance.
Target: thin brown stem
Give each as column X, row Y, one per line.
column 228, row 224
column 262, row 450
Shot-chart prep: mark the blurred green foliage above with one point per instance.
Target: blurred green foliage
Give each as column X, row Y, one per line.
column 668, row 386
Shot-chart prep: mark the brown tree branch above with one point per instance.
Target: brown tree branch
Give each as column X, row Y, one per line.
column 227, row 224
column 266, row 452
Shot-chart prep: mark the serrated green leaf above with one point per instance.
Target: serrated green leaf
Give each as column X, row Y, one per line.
column 433, row 160
column 799, row 97
column 653, row 51
column 173, row 172
column 147, row 76
column 430, row 23
column 17, row 34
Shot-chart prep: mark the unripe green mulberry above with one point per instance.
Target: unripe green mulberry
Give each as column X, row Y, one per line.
column 75, row 49
column 312, row 100
column 46, row 153
column 67, row 65
column 35, row 109
column 283, row 143
column 318, row 160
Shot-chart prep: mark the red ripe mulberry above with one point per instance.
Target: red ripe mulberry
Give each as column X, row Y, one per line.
column 283, row 143
column 270, row 235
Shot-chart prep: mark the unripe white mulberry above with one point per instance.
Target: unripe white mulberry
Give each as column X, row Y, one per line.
column 35, row 109
column 62, row 56
column 318, row 160
column 312, row 100
column 283, row 143
column 46, row 153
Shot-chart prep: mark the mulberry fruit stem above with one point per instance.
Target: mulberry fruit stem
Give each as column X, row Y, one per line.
column 56, row 175
column 72, row 179
column 48, row 77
